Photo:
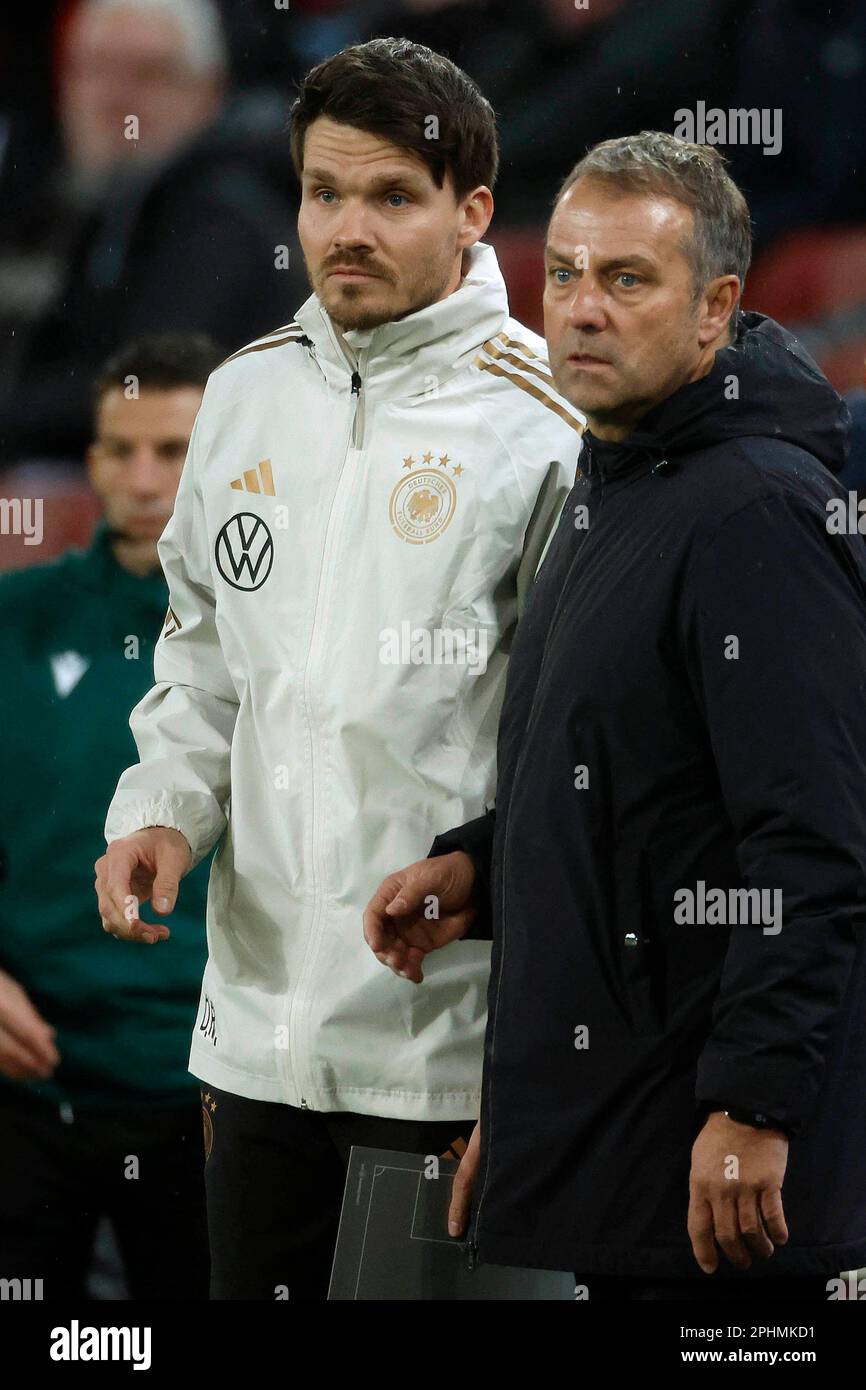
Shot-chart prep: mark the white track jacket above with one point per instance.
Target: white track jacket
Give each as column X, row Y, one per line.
column 356, row 525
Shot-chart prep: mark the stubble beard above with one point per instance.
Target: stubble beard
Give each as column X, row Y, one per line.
column 354, row 315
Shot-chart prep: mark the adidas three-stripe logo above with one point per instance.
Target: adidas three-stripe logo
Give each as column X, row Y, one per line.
column 259, row 479
column 292, row 333
column 518, row 363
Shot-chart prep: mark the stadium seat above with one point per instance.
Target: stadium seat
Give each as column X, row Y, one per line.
column 520, row 254
column 816, row 279
column 69, row 513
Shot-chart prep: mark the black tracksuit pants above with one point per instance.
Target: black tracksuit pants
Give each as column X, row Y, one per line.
column 141, row 1167
column 275, row 1176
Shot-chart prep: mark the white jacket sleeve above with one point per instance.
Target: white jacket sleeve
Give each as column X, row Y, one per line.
column 183, row 727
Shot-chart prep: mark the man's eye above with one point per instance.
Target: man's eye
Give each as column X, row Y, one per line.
column 402, row 197
column 326, row 193
column 560, row 270
column 630, row 276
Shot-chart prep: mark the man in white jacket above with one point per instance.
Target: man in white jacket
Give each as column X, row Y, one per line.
column 368, row 494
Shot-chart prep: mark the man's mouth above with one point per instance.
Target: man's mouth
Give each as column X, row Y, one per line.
column 349, row 272
column 587, row 359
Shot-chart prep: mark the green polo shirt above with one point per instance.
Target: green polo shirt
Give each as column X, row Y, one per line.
column 76, row 651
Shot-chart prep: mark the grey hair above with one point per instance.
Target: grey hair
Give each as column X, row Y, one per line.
column 204, row 47
column 695, row 175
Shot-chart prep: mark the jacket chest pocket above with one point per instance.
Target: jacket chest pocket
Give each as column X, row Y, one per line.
column 640, row 946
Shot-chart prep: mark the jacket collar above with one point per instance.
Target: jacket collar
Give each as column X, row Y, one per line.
column 762, row 385
column 97, row 569
column 608, row 461
column 399, row 359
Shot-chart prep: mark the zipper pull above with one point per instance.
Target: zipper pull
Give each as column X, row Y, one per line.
column 472, row 1253
column 356, row 383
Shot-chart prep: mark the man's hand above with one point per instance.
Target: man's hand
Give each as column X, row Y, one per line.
column 27, row 1051
column 735, row 1192
column 399, row 922
column 148, row 864
column 464, row 1182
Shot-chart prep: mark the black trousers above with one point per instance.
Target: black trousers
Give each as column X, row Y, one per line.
column 275, row 1176
column 141, row 1168
column 712, row 1287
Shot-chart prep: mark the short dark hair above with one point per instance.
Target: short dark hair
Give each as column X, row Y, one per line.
column 391, row 88
column 695, row 175
column 160, row 362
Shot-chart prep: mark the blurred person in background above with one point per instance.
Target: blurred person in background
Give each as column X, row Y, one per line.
column 163, row 175
column 94, row 1041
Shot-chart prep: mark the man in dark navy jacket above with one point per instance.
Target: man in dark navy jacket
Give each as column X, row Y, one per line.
column 675, row 873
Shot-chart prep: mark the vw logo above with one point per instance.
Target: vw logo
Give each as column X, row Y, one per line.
column 244, row 551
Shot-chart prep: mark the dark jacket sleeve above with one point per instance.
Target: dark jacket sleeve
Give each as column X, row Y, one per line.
column 475, row 838
column 786, row 717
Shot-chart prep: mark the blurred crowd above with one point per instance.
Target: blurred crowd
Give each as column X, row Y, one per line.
column 146, row 185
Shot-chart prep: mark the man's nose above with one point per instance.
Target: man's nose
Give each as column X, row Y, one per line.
column 586, row 306
column 145, row 473
column 353, row 226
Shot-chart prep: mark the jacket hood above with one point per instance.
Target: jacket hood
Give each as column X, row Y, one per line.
column 762, row 384
column 444, row 335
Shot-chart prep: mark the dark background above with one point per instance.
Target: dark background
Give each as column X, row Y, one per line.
column 193, row 247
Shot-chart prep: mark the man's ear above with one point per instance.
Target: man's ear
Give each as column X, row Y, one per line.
column 477, row 214
column 718, row 309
